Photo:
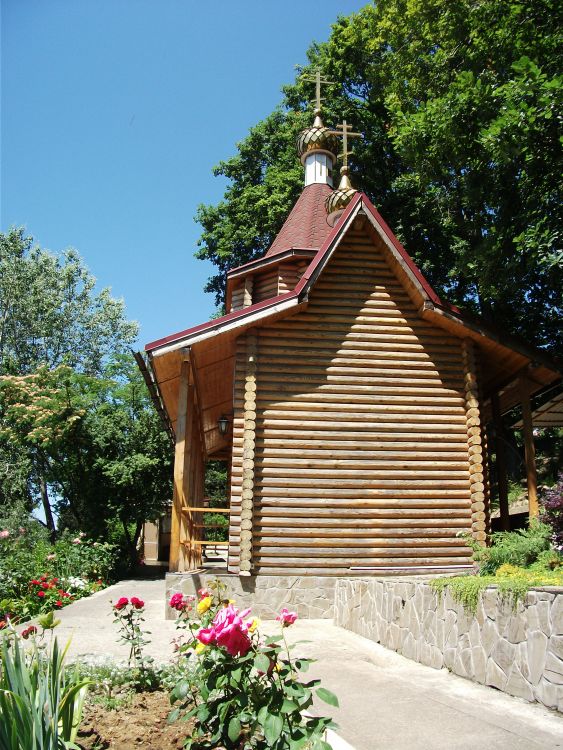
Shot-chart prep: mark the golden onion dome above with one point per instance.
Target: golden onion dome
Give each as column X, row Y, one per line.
column 317, row 138
column 341, row 197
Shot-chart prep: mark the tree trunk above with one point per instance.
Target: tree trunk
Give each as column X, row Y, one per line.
column 49, row 520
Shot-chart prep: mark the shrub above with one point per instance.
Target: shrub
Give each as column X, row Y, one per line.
column 520, row 548
column 552, row 512
column 40, row 701
column 246, row 690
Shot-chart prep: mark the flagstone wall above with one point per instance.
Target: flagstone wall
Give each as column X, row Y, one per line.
column 310, row 596
column 518, row 650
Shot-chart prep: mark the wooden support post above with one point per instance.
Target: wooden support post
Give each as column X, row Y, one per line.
column 475, row 444
column 500, row 453
column 529, row 449
column 186, row 528
column 249, row 443
column 178, row 496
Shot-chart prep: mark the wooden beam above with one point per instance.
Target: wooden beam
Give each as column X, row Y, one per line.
column 178, row 496
column 187, row 519
column 500, row 454
column 529, row 449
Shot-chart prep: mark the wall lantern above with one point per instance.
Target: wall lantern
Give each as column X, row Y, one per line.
column 223, row 425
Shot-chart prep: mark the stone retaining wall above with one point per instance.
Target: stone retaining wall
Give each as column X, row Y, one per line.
column 518, row 651
column 309, row 596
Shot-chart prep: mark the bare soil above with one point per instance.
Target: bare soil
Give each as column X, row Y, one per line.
column 139, row 725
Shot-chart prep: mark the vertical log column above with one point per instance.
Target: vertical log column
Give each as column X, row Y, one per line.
column 249, row 446
column 186, row 561
column 530, row 449
column 475, row 443
column 178, row 496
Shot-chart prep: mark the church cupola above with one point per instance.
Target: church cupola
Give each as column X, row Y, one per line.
column 317, row 148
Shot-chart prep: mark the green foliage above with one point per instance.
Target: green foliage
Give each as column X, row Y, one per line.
column 515, row 562
column 217, row 491
column 512, row 583
column 50, row 314
column 245, row 691
column 30, row 564
column 459, row 105
column 520, row 548
column 40, row 701
column 98, row 441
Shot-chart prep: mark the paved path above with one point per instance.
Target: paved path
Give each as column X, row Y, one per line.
column 387, row 702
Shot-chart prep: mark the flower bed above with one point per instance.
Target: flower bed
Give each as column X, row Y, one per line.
column 37, row 576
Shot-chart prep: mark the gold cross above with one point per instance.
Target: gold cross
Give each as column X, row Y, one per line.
column 318, row 80
column 345, row 131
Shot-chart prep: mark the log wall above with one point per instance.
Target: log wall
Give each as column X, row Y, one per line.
column 266, row 285
column 361, row 458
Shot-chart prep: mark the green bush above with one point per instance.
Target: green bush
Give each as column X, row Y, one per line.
column 520, row 548
column 36, row 576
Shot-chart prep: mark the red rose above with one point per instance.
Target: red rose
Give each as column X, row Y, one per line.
column 41, row 594
column 58, row 603
column 31, row 630
column 120, row 603
column 137, row 603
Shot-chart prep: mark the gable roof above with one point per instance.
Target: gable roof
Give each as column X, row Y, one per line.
column 306, row 226
column 504, row 357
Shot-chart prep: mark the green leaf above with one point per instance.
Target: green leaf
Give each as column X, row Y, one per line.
column 234, row 729
column 273, row 727
column 262, row 663
column 328, row 697
column 288, row 707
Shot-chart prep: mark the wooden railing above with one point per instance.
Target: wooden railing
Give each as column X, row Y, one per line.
column 194, row 542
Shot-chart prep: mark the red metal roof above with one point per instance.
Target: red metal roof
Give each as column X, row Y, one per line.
column 306, row 225
column 312, row 203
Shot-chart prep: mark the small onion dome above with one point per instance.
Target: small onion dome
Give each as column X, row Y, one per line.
column 317, row 138
column 337, row 201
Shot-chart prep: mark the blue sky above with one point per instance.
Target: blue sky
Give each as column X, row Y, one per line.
column 113, row 113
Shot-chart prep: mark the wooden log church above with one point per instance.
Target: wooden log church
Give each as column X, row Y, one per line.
column 348, row 400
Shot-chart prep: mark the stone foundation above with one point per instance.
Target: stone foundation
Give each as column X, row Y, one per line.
column 310, row 596
column 518, row 651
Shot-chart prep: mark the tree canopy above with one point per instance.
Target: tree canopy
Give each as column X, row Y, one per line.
column 460, row 105
column 78, row 431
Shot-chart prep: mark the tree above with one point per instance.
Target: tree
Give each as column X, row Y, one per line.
column 95, row 442
column 50, row 315
column 458, row 101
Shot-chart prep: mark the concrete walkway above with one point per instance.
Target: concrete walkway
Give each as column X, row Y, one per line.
column 387, row 702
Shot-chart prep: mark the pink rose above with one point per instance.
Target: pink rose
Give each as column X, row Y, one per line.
column 228, row 631
column 202, row 593
column 120, row 603
column 286, row 618
column 137, row 603
column 4, row 534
